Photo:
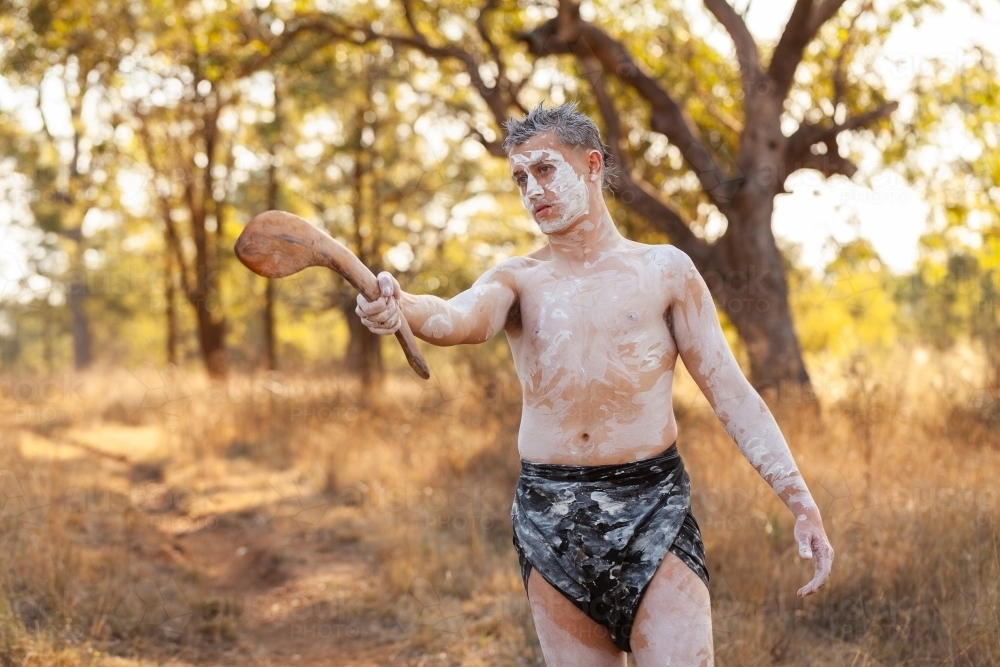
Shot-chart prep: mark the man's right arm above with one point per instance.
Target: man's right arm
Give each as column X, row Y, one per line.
column 474, row 316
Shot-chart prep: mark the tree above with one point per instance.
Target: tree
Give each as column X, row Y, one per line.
column 955, row 291
column 66, row 55
column 188, row 70
column 737, row 129
column 380, row 164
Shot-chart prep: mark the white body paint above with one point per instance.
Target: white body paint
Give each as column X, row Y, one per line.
column 437, row 326
column 587, row 317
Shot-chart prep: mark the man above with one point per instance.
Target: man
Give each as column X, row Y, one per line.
column 611, row 556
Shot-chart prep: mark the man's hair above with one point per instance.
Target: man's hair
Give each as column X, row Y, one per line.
column 570, row 126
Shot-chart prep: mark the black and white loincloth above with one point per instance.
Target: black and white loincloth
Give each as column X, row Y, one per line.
column 598, row 533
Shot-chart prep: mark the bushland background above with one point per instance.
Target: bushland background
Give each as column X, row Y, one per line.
column 199, row 466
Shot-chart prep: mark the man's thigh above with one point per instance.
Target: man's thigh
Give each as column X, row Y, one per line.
column 673, row 625
column 568, row 636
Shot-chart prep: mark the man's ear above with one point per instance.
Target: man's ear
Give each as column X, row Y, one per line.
column 595, row 164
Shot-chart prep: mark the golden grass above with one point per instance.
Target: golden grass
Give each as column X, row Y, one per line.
column 151, row 517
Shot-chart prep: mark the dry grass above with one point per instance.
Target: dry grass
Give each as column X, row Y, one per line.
column 150, row 517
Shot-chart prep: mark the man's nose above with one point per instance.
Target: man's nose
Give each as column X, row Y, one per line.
column 534, row 190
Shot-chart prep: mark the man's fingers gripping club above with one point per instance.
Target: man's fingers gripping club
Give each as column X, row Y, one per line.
column 383, row 315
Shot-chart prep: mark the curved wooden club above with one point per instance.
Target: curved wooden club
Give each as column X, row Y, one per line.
column 277, row 244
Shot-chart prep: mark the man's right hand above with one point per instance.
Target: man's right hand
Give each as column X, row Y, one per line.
column 383, row 315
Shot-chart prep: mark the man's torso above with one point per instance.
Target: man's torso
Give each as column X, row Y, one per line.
column 595, row 355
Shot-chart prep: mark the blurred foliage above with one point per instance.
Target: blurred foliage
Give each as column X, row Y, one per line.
column 107, row 107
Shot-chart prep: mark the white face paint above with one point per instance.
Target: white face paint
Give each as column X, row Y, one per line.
column 569, row 199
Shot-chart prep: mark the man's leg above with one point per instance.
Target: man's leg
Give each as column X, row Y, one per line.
column 673, row 625
column 568, row 636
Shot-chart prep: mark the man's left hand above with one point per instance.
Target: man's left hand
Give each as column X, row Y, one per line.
column 814, row 545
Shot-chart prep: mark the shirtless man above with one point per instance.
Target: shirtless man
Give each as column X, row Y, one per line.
column 611, row 557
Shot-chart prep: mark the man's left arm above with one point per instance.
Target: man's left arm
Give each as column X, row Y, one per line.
column 707, row 356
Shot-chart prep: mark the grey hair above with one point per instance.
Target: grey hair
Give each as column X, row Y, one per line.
column 571, row 127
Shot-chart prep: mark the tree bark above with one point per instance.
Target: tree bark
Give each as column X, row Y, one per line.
column 205, row 300
column 270, row 360
column 749, row 285
column 76, row 294
column 82, row 357
column 206, row 297
column 75, row 299
column 212, row 337
column 364, row 349
column 170, row 312
column 749, row 276
column 199, row 281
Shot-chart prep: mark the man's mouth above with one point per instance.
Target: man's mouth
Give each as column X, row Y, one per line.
column 541, row 208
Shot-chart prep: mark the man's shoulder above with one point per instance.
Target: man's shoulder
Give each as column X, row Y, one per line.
column 664, row 256
column 519, row 263
column 507, row 271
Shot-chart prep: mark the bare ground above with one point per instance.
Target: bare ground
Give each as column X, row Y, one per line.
column 267, row 570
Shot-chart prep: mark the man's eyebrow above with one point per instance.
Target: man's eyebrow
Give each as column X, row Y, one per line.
column 545, row 159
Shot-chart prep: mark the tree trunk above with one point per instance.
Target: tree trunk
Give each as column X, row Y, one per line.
column 270, row 361
column 76, row 295
column 364, row 354
column 750, row 283
column 750, row 286
column 364, row 350
column 49, row 346
column 212, row 337
column 170, row 311
column 206, row 299
column 82, row 357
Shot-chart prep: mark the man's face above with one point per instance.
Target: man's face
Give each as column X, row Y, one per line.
column 553, row 180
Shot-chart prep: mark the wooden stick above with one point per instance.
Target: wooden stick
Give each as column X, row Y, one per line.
column 277, row 244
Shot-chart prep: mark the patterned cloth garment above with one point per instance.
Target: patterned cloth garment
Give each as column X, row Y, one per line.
column 598, row 533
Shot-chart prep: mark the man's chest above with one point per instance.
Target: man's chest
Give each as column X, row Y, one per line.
column 612, row 307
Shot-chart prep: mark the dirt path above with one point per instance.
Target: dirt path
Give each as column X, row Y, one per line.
column 269, row 572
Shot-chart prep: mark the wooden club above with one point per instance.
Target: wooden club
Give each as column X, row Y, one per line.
column 277, row 244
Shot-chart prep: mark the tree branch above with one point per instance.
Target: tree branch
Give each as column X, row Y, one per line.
column 175, row 247
column 412, row 22
column 802, row 26
column 503, row 82
column 635, row 191
column 746, row 48
column 485, row 35
column 823, row 13
column 788, row 52
column 499, row 104
column 587, row 40
column 799, row 153
column 277, row 47
column 812, row 133
column 164, row 202
column 828, row 163
column 494, row 148
column 838, row 72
